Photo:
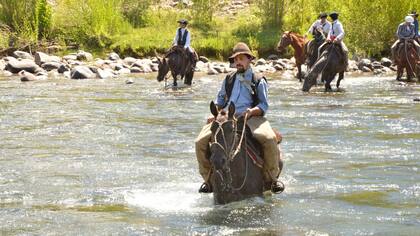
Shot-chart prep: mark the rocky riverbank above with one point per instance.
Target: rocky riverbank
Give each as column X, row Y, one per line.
column 82, row 65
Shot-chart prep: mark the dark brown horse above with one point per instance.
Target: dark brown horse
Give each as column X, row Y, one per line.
column 407, row 58
column 329, row 63
column 177, row 60
column 235, row 158
column 298, row 43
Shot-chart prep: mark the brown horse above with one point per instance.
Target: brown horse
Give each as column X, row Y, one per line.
column 177, row 60
column 407, row 58
column 236, row 159
column 298, row 43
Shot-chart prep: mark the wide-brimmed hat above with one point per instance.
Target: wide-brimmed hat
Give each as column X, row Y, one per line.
column 241, row 48
column 332, row 14
column 183, row 21
column 322, row 15
column 409, row 19
column 414, row 13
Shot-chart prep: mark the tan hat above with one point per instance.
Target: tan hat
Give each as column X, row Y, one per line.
column 241, row 48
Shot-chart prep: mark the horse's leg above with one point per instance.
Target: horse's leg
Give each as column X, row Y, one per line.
column 299, row 74
column 328, row 83
column 175, row 78
column 340, row 77
column 400, row 71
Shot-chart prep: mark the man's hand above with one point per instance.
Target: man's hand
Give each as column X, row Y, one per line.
column 210, row 119
column 335, row 41
column 328, row 40
column 256, row 111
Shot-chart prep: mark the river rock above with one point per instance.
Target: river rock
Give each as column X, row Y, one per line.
column 105, row 73
column 2, row 65
column 211, row 71
column 41, row 58
column 416, row 99
column 386, row 62
column 365, row 63
column 63, row 68
column 22, row 55
column 278, row 67
column 204, row 59
column 81, row 72
column 352, row 66
column 15, row 66
column 49, row 66
column 84, row 56
column 154, row 67
column 129, row 81
column 26, row 76
column 113, row 56
column 124, row 71
column 366, row 69
column 70, row 57
column 260, row 62
column 377, row 65
column 136, row 69
column 273, row 57
column 117, row 66
column 129, row 61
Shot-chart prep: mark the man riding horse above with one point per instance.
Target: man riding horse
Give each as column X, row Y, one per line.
column 319, row 29
column 249, row 94
column 336, row 35
column 183, row 39
column 405, row 33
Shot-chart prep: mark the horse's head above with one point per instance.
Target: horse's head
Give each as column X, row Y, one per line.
column 285, row 41
column 310, row 80
column 163, row 68
column 223, row 130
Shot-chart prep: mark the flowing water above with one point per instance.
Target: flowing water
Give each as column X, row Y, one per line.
column 103, row 157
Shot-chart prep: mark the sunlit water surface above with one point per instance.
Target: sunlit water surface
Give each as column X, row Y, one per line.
column 103, row 157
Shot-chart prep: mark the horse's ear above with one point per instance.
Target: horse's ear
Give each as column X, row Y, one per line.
column 213, row 109
column 231, row 111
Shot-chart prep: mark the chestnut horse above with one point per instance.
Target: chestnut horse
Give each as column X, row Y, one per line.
column 298, row 43
column 407, row 58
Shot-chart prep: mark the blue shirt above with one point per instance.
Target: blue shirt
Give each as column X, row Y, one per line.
column 406, row 31
column 242, row 96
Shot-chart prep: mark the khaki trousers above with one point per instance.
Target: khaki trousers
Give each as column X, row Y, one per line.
column 262, row 132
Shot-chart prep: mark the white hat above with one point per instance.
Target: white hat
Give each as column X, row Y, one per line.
column 409, row 19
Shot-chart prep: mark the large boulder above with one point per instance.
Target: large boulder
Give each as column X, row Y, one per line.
column 129, row 61
column 377, row 65
column 26, row 76
column 260, row 62
column 82, row 72
column 204, row 59
column 105, row 73
column 386, row 62
column 23, row 55
column 15, row 66
column 84, row 56
column 70, row 57
column 41, row 58
column 63, row 68
column 365, row 63
column 49, row 66
column 113, row 56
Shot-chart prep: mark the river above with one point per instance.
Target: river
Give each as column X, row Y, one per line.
column 84, row 157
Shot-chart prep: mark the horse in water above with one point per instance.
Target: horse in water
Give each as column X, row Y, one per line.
column 298, row 43
column 329, row 63
column 177, row 60
column 236, row 159
column 406, row 58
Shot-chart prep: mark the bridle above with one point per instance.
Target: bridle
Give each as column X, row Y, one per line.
column 231, row 153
